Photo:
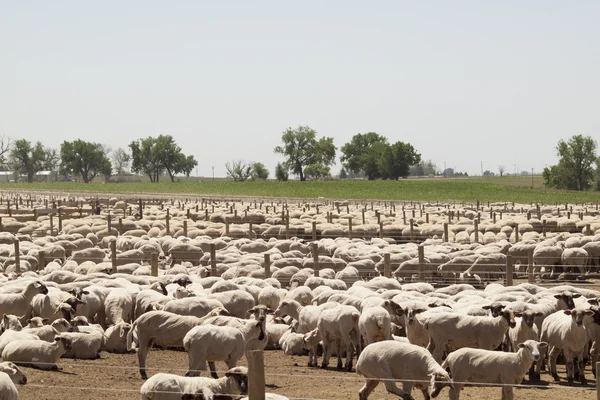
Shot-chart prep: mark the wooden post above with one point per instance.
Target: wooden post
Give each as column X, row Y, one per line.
column 517, row 233
column 387, row 265
column 494, row 218
column 121, row 226
column 109, row 222
column 250, row 230
column 446, row 238
column 350, row 228
column 213, row 260
column 41, row 260
column 227, row 227
column 476, row 230
column 412, row 230
column 314, row 231
column 509, row 270
column 427, row 218
column 404, row 217
column 256, row 375
column 113, row 255
column 154, row 264
column 381, row 230
column 315, row 254
column 597, row 366
column 530, row 276
column 59, row 221
column 267, row 264
column 421, row 252
column 51, row 224
column 363, row 216
column 141, row 209
column 168, row 225
column 588, row 229
column 185, row 229
column 287, row 228
column 17, row 257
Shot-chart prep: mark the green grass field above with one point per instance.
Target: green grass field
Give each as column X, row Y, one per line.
column 517, row 189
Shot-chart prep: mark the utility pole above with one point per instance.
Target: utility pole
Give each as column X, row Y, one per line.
column 481, row 168
column 444, row 169
column 213, row 169
column 532, row 178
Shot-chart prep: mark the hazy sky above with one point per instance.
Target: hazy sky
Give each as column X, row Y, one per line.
column 463, row 81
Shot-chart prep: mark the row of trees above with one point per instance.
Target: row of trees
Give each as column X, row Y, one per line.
column 151, row 156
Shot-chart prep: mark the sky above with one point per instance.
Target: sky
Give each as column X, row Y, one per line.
column 465, row 82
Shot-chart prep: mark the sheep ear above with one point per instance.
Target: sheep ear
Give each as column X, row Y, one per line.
column 5, row 317
column 419, row 310
column 543, row 345
column 539, row 314
column 521, row 345
column 28, row 321
column 486, row 307
column 270, row 310
column 250, row 311
column 589, row 312
column 557, row 296
column 85, row 292
column 518, row 314
column 45, row 321
column 568, row 312
column 576, row 295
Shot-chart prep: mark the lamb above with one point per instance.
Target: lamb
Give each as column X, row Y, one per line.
column 37, row 353
column 37, row 322
column 374, row 325
column 524, row 329
column 115, row 338
column 174, row 387
column 408, row 363
column 456, row 331
column 163, row 329
column 488, row 366
column 337, row 325
column 218, row 343
column 19, row 303
column 564, row 330
column 118, row 306
column 10, row 322
column 48, row 332
column 10, row 375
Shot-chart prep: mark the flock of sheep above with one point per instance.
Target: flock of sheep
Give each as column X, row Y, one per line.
column 416, row 294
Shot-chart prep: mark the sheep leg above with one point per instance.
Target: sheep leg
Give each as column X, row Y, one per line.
column 594, row 354
column 391, row 387
column 349, row 354
column 213, row 369
column 552, row 357
column 581, row 368
column 142, row 354
column 507, row 393
column 454, row 393
column 338, row 344
column 366, row 390
column 326, row 353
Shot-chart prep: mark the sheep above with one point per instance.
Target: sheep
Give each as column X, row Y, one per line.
column 118, row 307
column 10, row 322
column 564, row 330
column 218, row 343
column 488, row 366
column 337, row 325
column 458, row 331
column 374, row 325
column 174, row 387
column 18, row 303
column 392, row 360
column 195, row 306
column 163, row 329
column 37, row 353
column 237, row 302
column 37, row 322
column 115, row 338
column 10, row 375
column 48, row 332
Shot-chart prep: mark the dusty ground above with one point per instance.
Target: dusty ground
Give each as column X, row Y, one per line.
column 116, row 377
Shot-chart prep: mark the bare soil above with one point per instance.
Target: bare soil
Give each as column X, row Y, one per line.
column 116, row 376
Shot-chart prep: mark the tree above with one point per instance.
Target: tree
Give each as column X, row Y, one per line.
column 501, row 169
column 302, row 149
column 575, row 167
column 5, row 144
column 281, row 172
column 26, row 159
column 152, row 156
column 84, row 158
column 357, row 155
column 488, row 173
column 120, row 161
column 424, row 168
column 397, row 159
column 343, row 174
column 259, row 171
column 239, row 170
column 317, row 172
column 372, row 160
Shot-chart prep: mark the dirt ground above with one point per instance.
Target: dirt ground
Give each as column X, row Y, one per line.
column 116, row 377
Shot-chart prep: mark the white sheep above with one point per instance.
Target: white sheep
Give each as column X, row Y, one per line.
column 163, row 329
column 174, row 387
column 19, row 303
column 118, row 306
column 37, row 353
column 392, row 360
column 218, row 343
column 456, row 331
column 336, row 326
column 10, row 375
column 84, row 345
column 115, row 340
column 374, row 325
column 564, row 330
column 488, row 366
column 10, row 322
column 48, row 332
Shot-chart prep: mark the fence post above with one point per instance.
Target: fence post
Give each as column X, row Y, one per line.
column 17, row 257
column 185, row 229
column 544, row 227
column 154, row 264
column 476, row 231
column 267, row 265
column 314, row 231
column 168, row 225
column 363, row 216
column 59, row 221
column 446, row 239
column 350, row 228
column 113, row 255
column 421, row 262
column 516, row 233
column 121, row 226
column 387, row 265
column 381, row 230
column 141, row 209
column 41, row 260
column 213, row 260
column 597, row 366
column 412, row 230
column 315, row 254
column 509, row 271
column 530, row 276
column 287, row 228
column 256, row 375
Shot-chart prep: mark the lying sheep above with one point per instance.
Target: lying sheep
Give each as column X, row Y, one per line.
column 10, row 375
column 392, row 360
column 37, row 353
column 218, row 343
column 488, row 366
column 10, row 322
column 48, row 332
column 115, row 338
column 163, row 329
column 84, row 345
column 174, row 387
column 37, row 322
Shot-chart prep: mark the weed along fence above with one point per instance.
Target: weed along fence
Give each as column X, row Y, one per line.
column 331, row 251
